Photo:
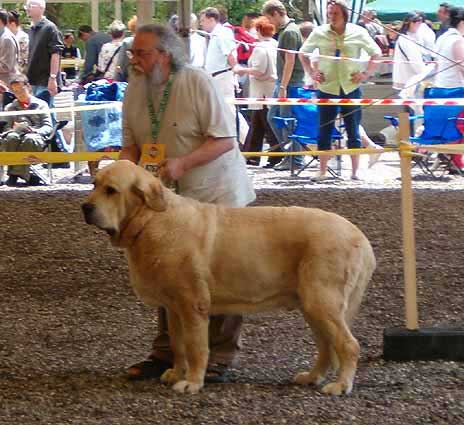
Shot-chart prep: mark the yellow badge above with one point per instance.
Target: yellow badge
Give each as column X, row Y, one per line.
column 152, row 155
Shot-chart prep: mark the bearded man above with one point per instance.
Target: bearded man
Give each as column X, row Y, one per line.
column 171, row 103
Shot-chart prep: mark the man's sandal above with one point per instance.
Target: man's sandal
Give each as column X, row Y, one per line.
column 153, row 368
column 217, row 374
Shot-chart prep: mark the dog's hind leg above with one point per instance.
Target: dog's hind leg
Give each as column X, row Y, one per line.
column 318, row 373
column 324, row 309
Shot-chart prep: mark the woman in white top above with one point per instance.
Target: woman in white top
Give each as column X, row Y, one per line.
column 108, row 56
column 263, row 75
column 451, row 45
column 407, row 57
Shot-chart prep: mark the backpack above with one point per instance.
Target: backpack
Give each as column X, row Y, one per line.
column 244, row 39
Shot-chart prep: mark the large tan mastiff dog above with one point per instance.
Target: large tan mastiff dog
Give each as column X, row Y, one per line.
column 198, row 259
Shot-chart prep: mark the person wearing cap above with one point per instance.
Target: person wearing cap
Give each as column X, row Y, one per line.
column 108, row 56
column 339, row 79
column 24, row 132
column 45, row 46
column 93, row 44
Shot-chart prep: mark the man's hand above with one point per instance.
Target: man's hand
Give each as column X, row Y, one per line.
column 22, row 127
column 52, row 86
column 282, row 92
column 239, row 70
column 172, row 169
column 3, row 87
column 359, row 77
column 318, row 76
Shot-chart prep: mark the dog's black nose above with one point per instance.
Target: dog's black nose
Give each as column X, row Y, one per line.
column 87, row 209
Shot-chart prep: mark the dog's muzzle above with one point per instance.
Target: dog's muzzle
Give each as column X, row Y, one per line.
column 90, row 217
column 88, row 210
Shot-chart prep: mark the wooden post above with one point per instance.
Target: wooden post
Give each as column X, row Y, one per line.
column 117, row 10
column 184, row 11
column 145, row 12
column 95, row 12
column 407, row 214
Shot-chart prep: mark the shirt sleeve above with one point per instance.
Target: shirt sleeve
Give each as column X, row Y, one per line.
column 369, row 45
column 55, row 41
column 7, row 56
column 91, row 57
column 290, row 40
column 310, row 44
column 226, row 41
column 45, row 126
column 9, row 119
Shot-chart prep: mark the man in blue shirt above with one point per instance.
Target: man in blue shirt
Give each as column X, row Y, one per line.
column 93, row 44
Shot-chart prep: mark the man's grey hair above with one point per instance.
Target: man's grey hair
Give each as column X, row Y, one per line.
column 169, row 42
column 39, row 3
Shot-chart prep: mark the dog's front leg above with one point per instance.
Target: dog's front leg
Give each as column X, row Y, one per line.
column 195, row 336
column 177, row 373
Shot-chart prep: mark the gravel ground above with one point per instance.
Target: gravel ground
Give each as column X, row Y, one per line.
column 71, row 324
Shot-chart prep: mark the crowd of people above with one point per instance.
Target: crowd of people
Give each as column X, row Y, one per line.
column 257, row 59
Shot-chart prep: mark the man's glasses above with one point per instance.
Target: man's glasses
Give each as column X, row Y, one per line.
column 140, row 53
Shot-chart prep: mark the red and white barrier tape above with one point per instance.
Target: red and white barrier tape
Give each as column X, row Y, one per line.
column 106, row 105
column 315, row 56
column 355, row 102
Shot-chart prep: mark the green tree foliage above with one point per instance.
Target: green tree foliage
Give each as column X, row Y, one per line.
column 69, row 16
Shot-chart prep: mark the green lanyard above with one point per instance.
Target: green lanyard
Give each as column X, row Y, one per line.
column 156, row 118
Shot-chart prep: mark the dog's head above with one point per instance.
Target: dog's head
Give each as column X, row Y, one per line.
column 121, row 193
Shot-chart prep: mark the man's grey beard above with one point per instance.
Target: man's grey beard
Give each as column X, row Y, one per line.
column 156, row 76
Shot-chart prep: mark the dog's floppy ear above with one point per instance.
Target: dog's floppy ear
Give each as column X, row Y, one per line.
column 152, row 193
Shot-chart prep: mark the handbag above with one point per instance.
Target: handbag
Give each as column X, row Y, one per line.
column 98, row 75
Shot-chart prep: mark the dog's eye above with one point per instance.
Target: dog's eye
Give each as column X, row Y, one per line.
column 110, row 190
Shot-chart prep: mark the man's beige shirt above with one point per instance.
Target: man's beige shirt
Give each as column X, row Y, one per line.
column 350, row 44
column 194, row 112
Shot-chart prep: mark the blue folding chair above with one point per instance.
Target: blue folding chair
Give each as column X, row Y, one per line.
column 303, row 127
column 442, row 125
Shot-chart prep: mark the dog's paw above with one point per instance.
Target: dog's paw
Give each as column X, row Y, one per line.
column 337, row 388
column 170, row 376
column 308, row 378
column 187, row 387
